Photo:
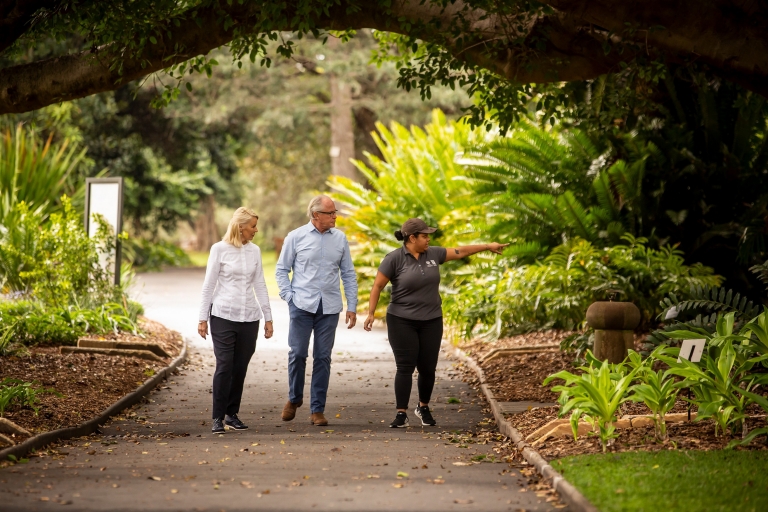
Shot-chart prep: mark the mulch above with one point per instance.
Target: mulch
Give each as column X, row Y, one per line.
column 519, row 378
column 87, row 383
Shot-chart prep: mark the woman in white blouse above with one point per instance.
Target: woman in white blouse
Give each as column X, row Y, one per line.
column 234, row 273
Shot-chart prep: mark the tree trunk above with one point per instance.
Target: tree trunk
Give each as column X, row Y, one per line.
column 342, row 128
column 205, row 224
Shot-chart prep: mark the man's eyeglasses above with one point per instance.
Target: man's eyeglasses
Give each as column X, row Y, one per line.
column 332, row 214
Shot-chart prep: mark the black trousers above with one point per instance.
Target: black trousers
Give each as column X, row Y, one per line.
column 416, row 344
column 233, row 345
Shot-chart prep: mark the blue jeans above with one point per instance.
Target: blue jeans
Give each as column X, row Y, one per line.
column 299, row 331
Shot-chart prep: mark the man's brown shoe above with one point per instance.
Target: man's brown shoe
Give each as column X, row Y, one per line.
column 317, row 418
column 289, row 411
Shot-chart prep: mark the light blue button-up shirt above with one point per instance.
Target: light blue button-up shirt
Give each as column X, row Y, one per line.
column 316, row 259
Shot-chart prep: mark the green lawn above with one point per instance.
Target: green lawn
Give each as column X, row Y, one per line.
column 671, row 480
column 269, row 259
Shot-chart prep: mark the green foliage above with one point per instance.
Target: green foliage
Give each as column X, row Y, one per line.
column 19, row 240
column 24, row 323
column 725, row 377
column 146, row 255
column 541, row 187
column 700, row 312
column 656, row 389
column 416, row 177
column 528, row 188
column 595, row 395
column 57, row 263
column 17, row 393
column 36, row 172
column 558, row 291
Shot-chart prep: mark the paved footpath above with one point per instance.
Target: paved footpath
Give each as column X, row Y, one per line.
column 162, row 456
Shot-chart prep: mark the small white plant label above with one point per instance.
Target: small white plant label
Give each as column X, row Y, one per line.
column 691, row 350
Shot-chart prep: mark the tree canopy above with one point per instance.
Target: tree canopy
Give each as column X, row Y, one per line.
column 56, row 50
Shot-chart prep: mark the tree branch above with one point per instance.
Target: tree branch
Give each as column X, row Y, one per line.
column 16, row 18
column 559, row 47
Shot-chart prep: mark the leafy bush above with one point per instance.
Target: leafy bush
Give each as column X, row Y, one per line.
column 595, row 395
column 535, row 189
column 57, row 263
column 30, row 323
column 36, row 172
column 17, row 393
column 146, row 255
column 702, row 309
column 417, row 177
column 725, row 378
column 656, row 389
column 558, row 291
column 541, row 187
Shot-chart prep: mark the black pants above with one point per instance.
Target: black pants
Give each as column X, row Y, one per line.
column 416, row 344
column 233, row 345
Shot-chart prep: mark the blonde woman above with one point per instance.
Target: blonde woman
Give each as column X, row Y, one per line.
column 234, row 272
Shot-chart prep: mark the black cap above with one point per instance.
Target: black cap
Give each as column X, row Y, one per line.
column 415, row 225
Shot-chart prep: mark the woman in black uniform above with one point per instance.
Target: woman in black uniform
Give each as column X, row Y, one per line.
column 415, row 315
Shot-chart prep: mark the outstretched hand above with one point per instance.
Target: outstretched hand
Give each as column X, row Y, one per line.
column 496, row 247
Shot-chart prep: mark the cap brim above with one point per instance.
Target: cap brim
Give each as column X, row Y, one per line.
column 428, row 230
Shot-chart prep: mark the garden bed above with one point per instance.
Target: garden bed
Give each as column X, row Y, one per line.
column 87, row 383
column 518, row 378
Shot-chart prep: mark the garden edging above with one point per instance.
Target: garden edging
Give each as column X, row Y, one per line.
column 567, row 491
column 90, row 426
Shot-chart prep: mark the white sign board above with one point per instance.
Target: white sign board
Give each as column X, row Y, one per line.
column 104, row 196
column 691, row 350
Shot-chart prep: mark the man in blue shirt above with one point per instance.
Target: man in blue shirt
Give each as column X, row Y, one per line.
column 317, row 253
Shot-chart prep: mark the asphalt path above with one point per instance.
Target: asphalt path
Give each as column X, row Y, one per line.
column 161, row 455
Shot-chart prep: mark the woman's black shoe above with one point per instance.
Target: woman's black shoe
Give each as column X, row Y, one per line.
column 218, row 426
column 401, row 420
column 426, row 416
column 234, row 422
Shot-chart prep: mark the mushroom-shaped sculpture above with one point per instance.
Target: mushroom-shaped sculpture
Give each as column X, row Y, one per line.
column 614, row 324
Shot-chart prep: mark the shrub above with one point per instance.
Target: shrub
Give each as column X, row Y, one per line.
column 57, row 263
column 558, row 291
column 146, row 255
column 17, row 393
column 656, row 389
column 724, row 381
column 29, row 323
column 595, row 395
column 36, row 172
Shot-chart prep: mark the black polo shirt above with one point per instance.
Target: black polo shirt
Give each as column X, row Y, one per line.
column 415, row 283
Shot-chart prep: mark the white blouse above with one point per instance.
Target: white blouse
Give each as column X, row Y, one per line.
column 231, row 278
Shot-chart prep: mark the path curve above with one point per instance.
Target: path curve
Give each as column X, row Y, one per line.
column 162, row 456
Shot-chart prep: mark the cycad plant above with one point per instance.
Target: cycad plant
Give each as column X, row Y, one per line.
column 417, row 177
column 541, row 187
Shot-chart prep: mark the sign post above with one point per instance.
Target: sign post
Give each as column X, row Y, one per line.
column 692, row 351
column 104, row 196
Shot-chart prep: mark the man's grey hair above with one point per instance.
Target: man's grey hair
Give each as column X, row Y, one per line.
column 316, row 205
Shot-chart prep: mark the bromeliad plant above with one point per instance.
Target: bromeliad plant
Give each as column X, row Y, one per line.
column 595, row 395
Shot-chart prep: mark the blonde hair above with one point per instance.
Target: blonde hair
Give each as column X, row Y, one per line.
column 241, row 217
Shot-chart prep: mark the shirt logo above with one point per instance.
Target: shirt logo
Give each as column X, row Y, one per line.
column 431, row 263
